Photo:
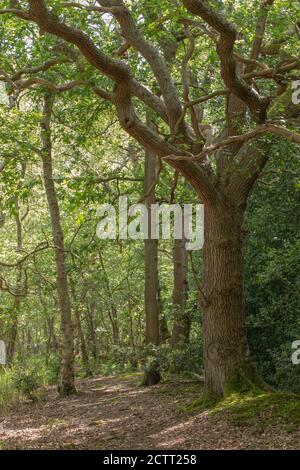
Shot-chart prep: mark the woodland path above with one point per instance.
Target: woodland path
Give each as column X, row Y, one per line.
column 117, row 413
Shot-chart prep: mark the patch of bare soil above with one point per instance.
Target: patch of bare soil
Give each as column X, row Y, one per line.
column 118, row 413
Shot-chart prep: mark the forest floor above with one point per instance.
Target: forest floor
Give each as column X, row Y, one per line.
column 117, row 413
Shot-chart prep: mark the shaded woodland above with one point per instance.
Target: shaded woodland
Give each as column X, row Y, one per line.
column 164, row 102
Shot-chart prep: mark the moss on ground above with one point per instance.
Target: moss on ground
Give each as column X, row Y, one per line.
column 255, row 410
column 245, row 381
column 261, row 411
column 202, row 403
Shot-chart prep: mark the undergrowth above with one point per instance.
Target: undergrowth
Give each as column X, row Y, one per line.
column 20, row 384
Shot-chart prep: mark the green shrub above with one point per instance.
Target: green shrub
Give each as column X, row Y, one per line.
column 30, row 379
column 9, row 395
column 287, row 374
column 185, row 360
column 120, row 359
column 28, row 383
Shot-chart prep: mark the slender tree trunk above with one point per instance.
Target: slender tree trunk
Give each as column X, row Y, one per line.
column 112, row 309
column 82, row 342
column 92, row 332
column 83, row 349
column 226, row 356
column 151, row 294
column 181, row 326
column 134, row 358
column 54, row 344
column 66, row 384
column 28, row 342
column 151, row 300
column 13, row 332
column 164, row 333
column 50, row 326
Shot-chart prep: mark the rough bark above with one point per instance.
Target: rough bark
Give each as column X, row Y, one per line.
column 66, row 383
column 226, row 356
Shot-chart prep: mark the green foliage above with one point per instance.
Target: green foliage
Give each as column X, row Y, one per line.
column 10, row 396
column 30, row 380
column 119, row 360
column 91, row 156
column 52, row 369
column 184, row 361
column 273, row 266
column 28, row 383
column 22, row 382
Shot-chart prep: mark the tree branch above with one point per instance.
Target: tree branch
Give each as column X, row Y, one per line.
column 259, row 33
column 42, row 246
column 15, row 11
column 243, row 138
column 257, row 104
column 39, row 68
column 156, row 61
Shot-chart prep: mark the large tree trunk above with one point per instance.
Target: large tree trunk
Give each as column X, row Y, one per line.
column 66, row 384
column 226, row 356
column 151, row 291
column 181, row 325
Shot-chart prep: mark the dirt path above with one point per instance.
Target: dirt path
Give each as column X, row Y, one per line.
column 117, row 413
